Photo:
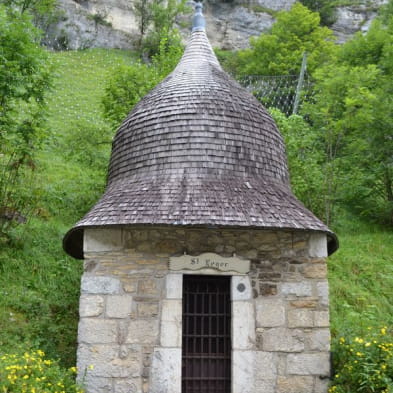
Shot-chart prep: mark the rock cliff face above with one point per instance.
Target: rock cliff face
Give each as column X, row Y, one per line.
column 230, row 23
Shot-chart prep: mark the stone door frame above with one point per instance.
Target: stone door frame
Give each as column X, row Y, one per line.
column 166, row 365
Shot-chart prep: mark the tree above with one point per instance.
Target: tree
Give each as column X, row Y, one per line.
column 24, row 79
column 280, row 52
column 156, row 19
column 131, row 83
column 325, row 8
column 305, row 160
column 352, row 109
column 43, row 12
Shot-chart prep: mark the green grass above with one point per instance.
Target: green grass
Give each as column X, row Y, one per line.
column 39, row 283
column 361, row 277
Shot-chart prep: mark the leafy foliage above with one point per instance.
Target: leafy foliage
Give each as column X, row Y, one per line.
column 31, row 372
column 24, row 81
column 325, row 8
column 364, row 364
column 130, row 83
column 305, row 160
column 352, row 108
column 281, row 51
column 156, row 19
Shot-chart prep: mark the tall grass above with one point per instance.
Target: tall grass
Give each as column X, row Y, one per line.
column 39, row 283
column 361, row 277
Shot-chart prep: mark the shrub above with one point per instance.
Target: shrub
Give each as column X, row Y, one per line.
column 363, row 364
column 32, row 373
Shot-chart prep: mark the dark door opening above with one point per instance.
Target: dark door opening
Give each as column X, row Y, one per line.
column 206, row 357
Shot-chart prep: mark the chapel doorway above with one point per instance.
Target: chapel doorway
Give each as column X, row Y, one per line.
column 206, row 353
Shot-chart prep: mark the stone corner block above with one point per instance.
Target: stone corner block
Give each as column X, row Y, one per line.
column 102, row 239
column 317, row 245
column 321, row 319
column 309, row 364
column 91, row 306
column 100, row 285
column 97, row 331
column 241, row 288
column 174, row 286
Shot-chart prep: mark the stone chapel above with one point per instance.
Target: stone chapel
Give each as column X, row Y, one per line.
column 202, row 271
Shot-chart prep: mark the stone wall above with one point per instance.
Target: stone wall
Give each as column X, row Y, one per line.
column 130, row 309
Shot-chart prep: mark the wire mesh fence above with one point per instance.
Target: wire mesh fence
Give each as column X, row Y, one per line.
column 279, row 92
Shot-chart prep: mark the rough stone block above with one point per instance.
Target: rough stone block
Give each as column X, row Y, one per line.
column 97, row 331
column 283, row 340
column 323, row 292
column 309, row 364
column 315, row 270
column 174, row 286
column 91, row 306
column 265, row 366
column 270, row 312
column 147, row 310
column 321, row 385
column 99, row 240
column 295, row 384
column 92, row 384
column 129, row 285
column 243, row 368
column 243, row 325
column 142, row 332
column 148, row 286
column 317, row 245
column 319, row 340
column 171, row 323
column 300, row 318
column 127, row 386
column 100, row 285
column 118, row 306
column 296, row 288
column 265, row 386
column 166, row 371
column 305, row 303
column 321, row 319
column 104, row 361
column 241, row 288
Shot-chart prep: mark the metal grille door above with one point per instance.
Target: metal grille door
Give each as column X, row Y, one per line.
column 206, row 360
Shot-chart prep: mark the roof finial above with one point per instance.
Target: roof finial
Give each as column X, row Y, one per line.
column 198, row 20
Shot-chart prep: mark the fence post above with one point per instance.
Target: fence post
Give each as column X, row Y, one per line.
column 300, row 83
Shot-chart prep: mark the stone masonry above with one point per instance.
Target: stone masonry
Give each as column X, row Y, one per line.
column 131, row 305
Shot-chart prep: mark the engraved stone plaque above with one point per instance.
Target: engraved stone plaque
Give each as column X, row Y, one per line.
column 210, row 261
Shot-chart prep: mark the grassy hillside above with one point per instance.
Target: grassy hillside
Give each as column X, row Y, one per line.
column 39, row 284
column 361, row 277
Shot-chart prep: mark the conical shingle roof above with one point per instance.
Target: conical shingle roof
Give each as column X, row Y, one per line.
column 200, row 151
